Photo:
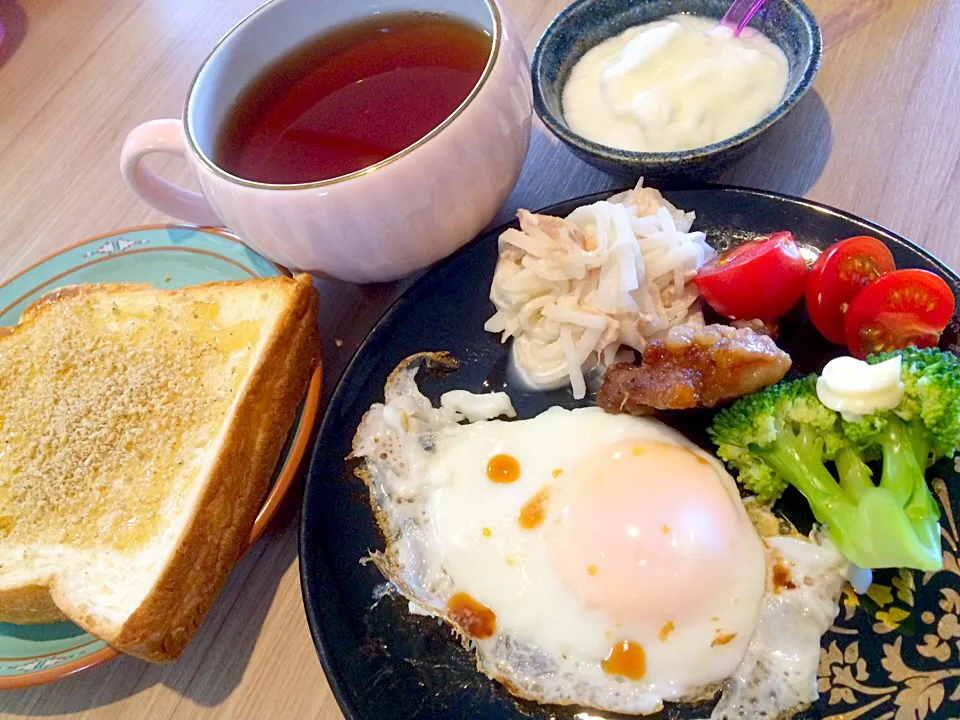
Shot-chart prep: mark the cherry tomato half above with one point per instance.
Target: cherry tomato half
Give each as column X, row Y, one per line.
column 761, row 278
column 841, row 271
column 902, row 308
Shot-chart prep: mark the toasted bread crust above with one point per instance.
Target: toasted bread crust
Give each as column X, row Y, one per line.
column 29, row 605
column 212, row 537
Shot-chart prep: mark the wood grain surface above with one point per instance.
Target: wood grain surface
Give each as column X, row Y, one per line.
column 878, row 137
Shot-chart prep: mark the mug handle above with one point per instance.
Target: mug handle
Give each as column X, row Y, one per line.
column 162, row 136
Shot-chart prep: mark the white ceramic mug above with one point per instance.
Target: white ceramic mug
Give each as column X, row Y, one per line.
column 380, row 223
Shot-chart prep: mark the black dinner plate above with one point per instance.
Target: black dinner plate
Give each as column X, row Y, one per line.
column 894, row 652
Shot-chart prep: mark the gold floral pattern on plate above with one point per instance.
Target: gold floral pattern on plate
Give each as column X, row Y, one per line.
column 894, row 652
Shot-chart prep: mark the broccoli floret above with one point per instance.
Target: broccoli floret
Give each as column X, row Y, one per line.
column 923, row 428
column 788, row 423
column 783, row 435
column 931, row 400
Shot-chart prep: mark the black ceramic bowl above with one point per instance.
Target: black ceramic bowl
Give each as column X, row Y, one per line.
column 586, row 23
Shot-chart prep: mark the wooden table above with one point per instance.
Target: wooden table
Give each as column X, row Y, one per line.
column 878, row 136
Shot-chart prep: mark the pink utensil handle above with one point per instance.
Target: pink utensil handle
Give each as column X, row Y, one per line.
column 740, row 13
column 162, row 136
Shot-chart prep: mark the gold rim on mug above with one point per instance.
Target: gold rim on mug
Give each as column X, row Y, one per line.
column 217, row 170
column 271, row 503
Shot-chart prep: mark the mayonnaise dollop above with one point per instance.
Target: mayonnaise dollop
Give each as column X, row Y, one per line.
column 855, row 388
column 674, row 84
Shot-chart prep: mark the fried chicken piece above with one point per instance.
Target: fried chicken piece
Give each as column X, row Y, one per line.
column 771, row 328
column 694, row 366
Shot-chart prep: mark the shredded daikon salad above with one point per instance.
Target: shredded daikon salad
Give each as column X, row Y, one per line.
column 574, row 293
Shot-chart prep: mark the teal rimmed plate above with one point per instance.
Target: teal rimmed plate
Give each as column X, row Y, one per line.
column 166, row 256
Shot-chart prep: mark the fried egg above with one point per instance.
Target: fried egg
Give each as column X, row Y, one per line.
column 592, row 559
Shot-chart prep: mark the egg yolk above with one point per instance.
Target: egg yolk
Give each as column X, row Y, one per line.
column 657, row 528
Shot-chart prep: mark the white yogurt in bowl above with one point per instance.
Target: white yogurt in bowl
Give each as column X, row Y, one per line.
column 676, row 84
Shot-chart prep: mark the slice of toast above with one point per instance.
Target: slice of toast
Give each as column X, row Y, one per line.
column 139, row 430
